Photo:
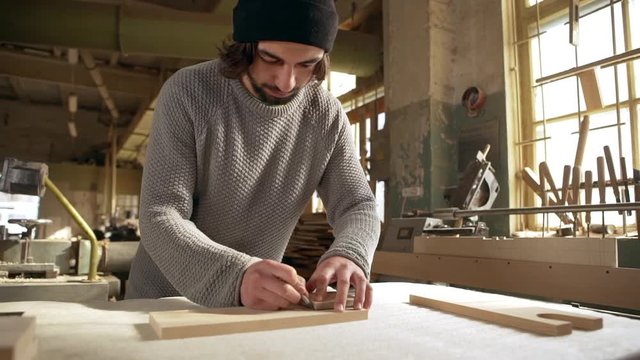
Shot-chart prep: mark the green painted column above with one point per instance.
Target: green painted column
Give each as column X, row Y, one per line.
column 418, row 56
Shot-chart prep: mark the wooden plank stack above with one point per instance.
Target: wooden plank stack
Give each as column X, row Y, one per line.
column 311, row 237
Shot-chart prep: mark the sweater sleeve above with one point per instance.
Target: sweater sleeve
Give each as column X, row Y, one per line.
column 351, row 206
column 196, row 266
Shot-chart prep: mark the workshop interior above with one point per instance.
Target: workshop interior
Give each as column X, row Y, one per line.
column 500, row 138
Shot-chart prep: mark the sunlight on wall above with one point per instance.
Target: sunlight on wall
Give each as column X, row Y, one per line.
column 14, row 206
column 340, row 83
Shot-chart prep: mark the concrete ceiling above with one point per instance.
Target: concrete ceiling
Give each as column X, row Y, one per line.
column 125, row 51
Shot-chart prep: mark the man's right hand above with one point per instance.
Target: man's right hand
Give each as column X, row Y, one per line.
column 270, row 285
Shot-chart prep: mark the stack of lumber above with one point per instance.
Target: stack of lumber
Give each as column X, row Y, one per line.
column 311, row 237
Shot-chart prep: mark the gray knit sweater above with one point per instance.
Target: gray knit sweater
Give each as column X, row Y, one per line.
column 227, row 177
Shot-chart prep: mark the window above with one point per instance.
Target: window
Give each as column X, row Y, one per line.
column 339, row 83
column 551, row 106
column 13, row 206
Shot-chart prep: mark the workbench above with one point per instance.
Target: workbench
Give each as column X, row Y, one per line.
column 395, row 330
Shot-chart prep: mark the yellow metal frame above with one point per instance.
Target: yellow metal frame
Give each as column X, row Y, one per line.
column 93, row 261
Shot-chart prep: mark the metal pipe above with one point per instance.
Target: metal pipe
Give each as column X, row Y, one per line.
column 456, row 213
column 93, row 261
column 612, row 60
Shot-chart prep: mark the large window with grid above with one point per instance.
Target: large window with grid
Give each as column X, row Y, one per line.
column 571, row 60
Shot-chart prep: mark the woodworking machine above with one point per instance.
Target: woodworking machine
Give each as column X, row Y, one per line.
column 477, row 190
column 54, row 269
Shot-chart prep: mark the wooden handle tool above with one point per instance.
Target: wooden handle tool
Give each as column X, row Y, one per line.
column 612, row 174
column 588, row 192
column 543, row 186
column 546, row 173
column 576, row 179
column 566, row 178
column 601, row 185
column 625, row 179
column 529, row 178
column 582, row 140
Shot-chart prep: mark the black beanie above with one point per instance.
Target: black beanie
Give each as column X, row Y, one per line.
column 310, row 22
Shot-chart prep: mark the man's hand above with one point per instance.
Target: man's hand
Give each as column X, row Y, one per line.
column 270, row 285
column 345, row 273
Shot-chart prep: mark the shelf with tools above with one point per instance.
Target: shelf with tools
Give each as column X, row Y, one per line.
column 311, row 237
column 575, row 181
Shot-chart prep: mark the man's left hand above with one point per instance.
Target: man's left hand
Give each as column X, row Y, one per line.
column 344, row 273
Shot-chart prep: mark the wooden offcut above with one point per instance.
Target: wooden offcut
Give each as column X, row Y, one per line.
column 578, row 250
column 209, row 322
column 17, row 340
column 310, row 239
column 538, row 320
column 591, row 89
column 328, row 302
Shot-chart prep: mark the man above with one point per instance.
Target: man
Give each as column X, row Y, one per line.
column 238, row 147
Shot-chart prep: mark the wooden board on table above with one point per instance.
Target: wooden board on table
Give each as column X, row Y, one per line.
column 17, row 337
column 578, row 250
column 534, row 319
column 329, row 301
column 208, row 322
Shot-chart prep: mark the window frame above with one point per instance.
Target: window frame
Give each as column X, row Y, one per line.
column 523, row 19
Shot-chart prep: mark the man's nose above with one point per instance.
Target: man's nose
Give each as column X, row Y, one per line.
column 286, row 79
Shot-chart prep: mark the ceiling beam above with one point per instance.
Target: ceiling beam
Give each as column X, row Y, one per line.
column 15, row 64
column 131, row 28
column 18, row 89
column 206, row 6
column 353, row 13
column 145, row 105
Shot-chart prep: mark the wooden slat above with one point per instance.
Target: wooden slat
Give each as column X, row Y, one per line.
column 601, row 285
column 193, row 323
column 17, row 338
column 578, row 250
column 591, row 89
column 534, row 319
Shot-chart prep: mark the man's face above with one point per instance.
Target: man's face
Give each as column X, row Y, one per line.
column 280, row 69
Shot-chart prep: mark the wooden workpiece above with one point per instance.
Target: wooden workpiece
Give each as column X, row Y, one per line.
column 17, row 338
column 534, row 319
column 329, row 301
column 194, row 323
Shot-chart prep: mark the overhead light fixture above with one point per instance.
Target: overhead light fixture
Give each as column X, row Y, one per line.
column 73, row 56
column 72, row 129
column 72, row 102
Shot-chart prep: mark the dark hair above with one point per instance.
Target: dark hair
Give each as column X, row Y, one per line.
column 237, row 57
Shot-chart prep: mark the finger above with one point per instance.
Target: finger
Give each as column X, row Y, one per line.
column 318, row 287
column 342, row 293
column 360, row 285
column 281, row 289
column 301, row 286
column 368, row 297
column 272, row 301
column 289, row 275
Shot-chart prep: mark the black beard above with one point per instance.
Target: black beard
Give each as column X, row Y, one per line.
column 268, row 99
